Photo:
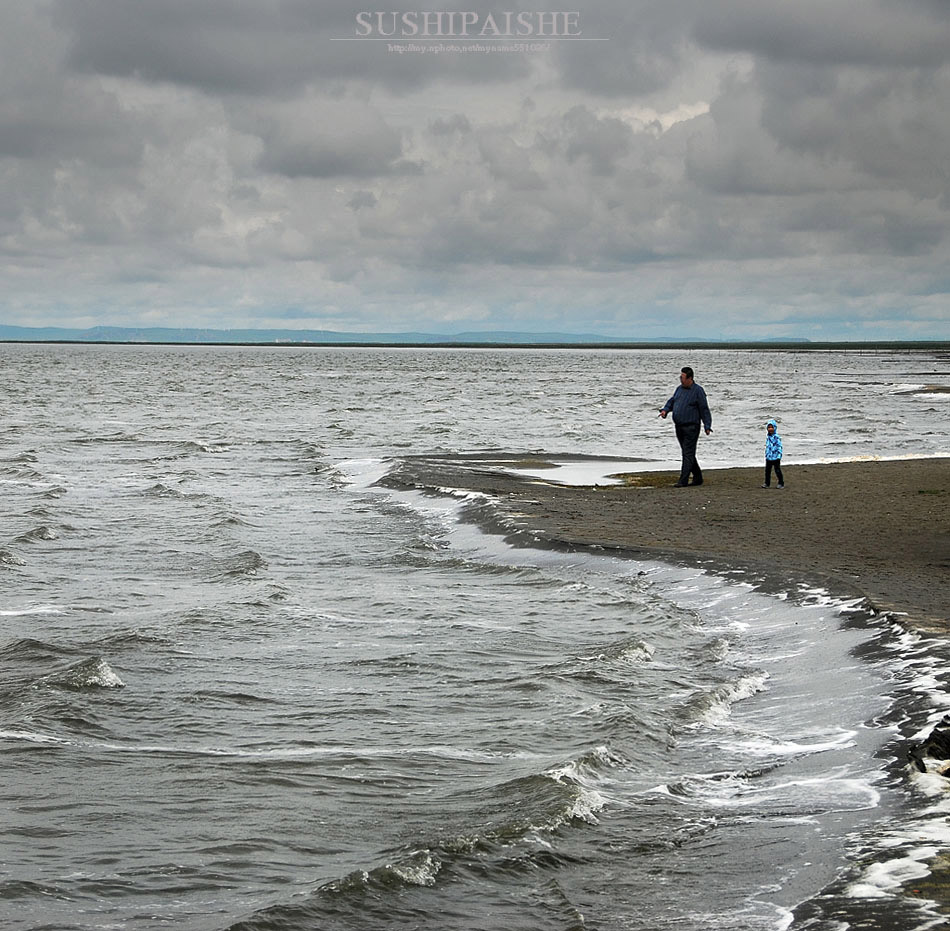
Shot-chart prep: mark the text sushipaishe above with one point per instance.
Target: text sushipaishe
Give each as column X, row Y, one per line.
column 468, row 24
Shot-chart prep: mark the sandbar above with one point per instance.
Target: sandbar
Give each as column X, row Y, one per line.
column 878, row 530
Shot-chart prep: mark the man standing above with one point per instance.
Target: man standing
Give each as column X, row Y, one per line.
column 690, row 409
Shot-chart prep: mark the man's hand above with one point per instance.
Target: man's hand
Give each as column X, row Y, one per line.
column 708, row 432
column 663, row 414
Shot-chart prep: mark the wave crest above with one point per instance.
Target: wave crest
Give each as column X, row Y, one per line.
column 9, row 558
column 36, row 534
column 240, row 564
column 92, row 673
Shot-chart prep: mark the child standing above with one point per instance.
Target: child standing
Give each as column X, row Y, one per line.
column 773, row 455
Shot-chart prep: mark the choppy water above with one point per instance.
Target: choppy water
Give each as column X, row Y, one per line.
column 241, row 686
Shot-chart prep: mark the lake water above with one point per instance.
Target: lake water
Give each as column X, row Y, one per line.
column 242, row 686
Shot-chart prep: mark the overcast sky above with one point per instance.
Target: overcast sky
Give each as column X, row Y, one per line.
column 712, row 168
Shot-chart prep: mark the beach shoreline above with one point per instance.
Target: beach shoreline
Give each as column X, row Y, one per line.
column 875, row 530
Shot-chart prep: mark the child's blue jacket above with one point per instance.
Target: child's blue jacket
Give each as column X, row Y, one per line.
column 773, row 444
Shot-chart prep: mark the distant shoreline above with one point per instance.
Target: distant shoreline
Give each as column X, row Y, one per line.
column 697, row 346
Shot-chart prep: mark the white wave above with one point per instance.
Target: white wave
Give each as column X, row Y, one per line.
column 785, row 918
column 633, row 654
column 927, row 392
column 907, row 855
column 90, row 674
column 636, row 654
column 419, row 870
column 9, row 558
column 837, row 791
column 31, row 736
column 764, row 746
column 24, row 483
column 882, row 879
column 586, row 806
column 25, row 612
column 327, row 751
column 726, row 696
column 363, row 472
column 583, row 775
column 933, row 783
column 464, row 494
column 106, row 678
column 600, row 756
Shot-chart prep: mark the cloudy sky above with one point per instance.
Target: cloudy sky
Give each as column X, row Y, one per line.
column 712, row 168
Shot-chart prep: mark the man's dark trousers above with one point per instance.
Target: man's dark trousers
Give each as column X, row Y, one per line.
column 688, row 436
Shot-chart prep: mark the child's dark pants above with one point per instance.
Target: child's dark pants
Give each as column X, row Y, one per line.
column 777, row 465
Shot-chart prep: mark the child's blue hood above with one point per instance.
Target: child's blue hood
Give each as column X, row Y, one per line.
column 773, row 424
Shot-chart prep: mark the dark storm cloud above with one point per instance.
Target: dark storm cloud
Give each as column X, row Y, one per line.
column 43, row 114
column 630, row 48
column 232, row 46
column 841, row 105
column 603, row 141
column 252, row 47
column 885, row 33
column 333, row 139
column 888, row 125
column 74, row 124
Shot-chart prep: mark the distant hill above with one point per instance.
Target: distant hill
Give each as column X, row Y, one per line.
column 198, row 336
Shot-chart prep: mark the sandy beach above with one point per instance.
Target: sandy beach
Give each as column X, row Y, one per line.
column 877, row 529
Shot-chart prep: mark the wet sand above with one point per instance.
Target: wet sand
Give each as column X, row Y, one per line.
column 877, row 529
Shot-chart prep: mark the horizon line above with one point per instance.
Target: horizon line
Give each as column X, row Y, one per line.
column 449, row 343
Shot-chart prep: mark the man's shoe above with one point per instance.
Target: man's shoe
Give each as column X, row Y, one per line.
column 679, row 484
column 769, row 486
column 697, row 483
column 781, row 486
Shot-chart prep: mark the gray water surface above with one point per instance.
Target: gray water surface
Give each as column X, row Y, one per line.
column 242, row 686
